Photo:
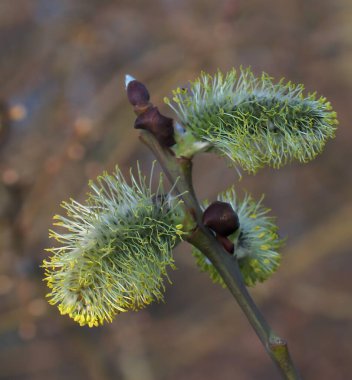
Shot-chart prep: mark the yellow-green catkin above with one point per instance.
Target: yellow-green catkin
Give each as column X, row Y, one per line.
column 256, row 241
column 113, row 251
column 253, row 120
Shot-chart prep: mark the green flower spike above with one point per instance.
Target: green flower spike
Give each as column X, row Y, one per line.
column 253, row 121
column 256, row 242
column 114, row 250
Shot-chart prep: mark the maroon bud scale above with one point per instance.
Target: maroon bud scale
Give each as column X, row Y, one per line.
column 137, row 93
column 221, row 218
column 226, row 243
column 159, row 125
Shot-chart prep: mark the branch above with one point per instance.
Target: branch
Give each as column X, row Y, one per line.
column 179, row 171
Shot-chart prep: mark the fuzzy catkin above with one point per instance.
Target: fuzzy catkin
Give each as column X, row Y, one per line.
column 256, row 242
column 115, row 250
column 254, row 121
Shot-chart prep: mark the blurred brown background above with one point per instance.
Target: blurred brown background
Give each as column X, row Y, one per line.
column 62, row 65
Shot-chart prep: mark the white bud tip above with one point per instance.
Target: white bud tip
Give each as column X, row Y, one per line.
column 128, row 79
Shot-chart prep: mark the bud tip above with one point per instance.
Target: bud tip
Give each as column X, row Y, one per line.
column 128, row 79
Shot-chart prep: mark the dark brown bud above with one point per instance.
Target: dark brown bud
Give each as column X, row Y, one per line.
column 226, row 243
column 160, row 126
column 137, row 93
column 221, row 218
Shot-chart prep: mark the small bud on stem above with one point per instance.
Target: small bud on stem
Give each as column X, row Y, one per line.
column 221, row 218
column 160, row 126
column 149, row 117
column 137, row 93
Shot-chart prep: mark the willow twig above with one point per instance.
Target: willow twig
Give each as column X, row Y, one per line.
column 179, row 171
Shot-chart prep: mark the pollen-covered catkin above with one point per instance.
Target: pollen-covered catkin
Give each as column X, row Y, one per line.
column 114, row 250
column 253, row 120
column 256, row 241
